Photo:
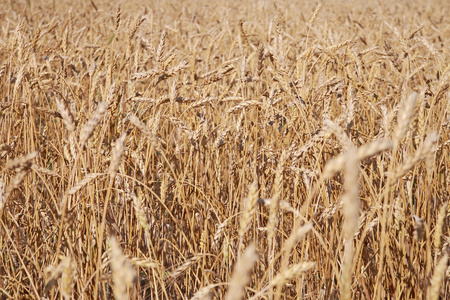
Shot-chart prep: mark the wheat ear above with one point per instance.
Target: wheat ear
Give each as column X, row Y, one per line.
column 123, row 273
column 240, row 276
column 404, row 119
column 440, row 219
column 249, row 210
column 438, row 278
column 89, row 127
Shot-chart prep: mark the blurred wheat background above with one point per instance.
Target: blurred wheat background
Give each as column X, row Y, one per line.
column 224, row 149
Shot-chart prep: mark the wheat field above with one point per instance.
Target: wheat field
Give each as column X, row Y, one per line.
column 224, row 149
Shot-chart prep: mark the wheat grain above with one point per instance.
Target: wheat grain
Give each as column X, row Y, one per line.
column 153, row 139
column 244, row 37
column 44, row 171
column 219, row 233
column 135, row 27
column 334, row 128
column 118, row 15
column 139, row 211
column 393, row 56
column 18, row 82
column 430, row 47
column 419, row 228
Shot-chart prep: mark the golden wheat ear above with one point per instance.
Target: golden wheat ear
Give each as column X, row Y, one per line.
column 123, row 274
column 241, row 274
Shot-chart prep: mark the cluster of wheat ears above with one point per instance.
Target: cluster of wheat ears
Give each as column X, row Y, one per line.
column 200, row 150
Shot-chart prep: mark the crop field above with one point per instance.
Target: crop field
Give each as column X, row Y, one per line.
column 224, row 149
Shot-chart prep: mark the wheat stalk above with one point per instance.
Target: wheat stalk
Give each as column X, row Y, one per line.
column 350, row 211
column 144, row 90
